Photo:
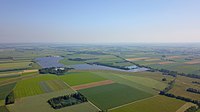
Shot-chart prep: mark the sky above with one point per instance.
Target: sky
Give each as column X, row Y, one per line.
column 99, row 21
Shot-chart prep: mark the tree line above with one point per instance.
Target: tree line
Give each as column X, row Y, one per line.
column 110, row 65
column 193, row 90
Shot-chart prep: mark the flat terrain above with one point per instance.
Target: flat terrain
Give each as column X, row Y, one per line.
column 93, row 84
column 115, row 91
column 154, row 104
column 30, row 87
column 78, row 78
column 112, row 95
column 31, row 104
column 182, row 83
column 5, row 90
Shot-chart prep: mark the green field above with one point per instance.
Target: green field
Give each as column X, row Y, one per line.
column 65, row 61
column 154, row 104
column 77, row 78
column 148, row 82
column 112, row 95
column 38, row 103
column 14, row 65
column 30, row 87
column 53, row 85
column 5, row 90
column 121, row 78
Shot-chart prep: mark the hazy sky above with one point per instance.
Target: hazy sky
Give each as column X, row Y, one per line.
column 99, row 21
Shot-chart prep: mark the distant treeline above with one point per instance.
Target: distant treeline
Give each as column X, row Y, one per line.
column 110, row 65
column 54, row 70
column 81, row 59
column 164, row 71
column 10, row 99
column 90, row 52
column 67, row 100
column 171, row 73
column 192, row 90
column 16, row 69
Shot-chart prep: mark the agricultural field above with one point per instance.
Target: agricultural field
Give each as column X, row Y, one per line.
column 14, row 65
column 182, row 84
column 153, row 104
column 6, row 89
column 78, row 78
column 33, row 86
column 109, row 96
column 105, row 89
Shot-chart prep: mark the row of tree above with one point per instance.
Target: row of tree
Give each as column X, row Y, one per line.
column 10, row 99
column 15, row 69
column 54, row 70
column 193, row 90
column 67, row 100
column 110, row 65
column 169, row 87
column 81, row 59
column 171, row 73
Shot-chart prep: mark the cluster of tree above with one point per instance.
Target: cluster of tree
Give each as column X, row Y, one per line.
column 164, row 79
column 193, row 90
column 67, row 100
column 180, row 98
column 54, row 70
column 191, row 109
column 195, row 82
column 10, row 99
column 81, row 59
column 110, row 65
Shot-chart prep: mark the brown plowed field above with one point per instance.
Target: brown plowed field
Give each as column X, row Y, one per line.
column 93, row 84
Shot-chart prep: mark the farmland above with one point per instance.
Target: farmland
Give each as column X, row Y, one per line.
column 154, row 104
column 30, row 87
column 78, row 78
column 115, row 89
column 109, row 96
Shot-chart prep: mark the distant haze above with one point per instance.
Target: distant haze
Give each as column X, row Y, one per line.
column 99, row 21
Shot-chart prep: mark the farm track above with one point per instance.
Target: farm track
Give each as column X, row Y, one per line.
column 93, row 84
